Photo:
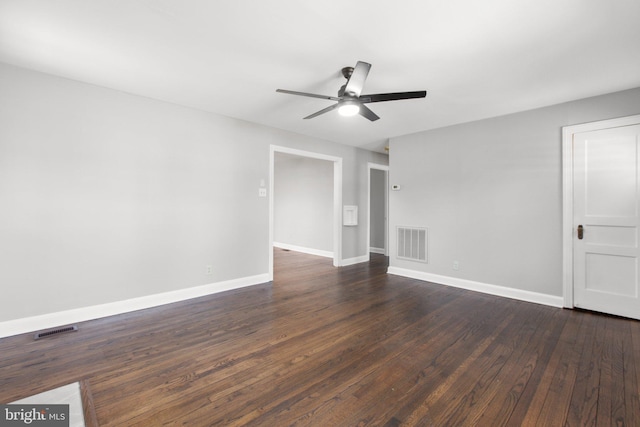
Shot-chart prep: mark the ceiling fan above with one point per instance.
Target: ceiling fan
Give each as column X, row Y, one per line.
column 350, row 101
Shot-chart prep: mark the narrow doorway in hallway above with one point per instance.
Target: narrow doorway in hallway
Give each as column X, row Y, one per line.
column 378, row 209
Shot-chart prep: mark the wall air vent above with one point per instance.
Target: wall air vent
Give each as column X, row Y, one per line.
column 412, row 243
column 56, row 331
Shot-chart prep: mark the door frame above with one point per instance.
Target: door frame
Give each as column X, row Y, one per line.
column 384, row 168
column 337, row 199
column 567, row 194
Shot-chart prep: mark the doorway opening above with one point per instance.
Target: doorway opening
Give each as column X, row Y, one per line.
column 337, row 199
column 378, row 209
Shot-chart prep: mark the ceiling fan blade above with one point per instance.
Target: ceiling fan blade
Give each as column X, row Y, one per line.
column 380, row 97
column 312, row 95
column 358, row 76
column 324, row 110
column 367, row 113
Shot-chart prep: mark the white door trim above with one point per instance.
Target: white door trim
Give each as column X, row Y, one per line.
column 386, row 207
column 337, row 199
column 567, row 194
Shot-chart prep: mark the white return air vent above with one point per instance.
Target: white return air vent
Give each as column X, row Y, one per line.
column 412, row 244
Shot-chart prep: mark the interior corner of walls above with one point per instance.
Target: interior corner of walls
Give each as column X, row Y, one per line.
column 52, row 320
column 354, row 260
column 486, row 288
column 304, row 250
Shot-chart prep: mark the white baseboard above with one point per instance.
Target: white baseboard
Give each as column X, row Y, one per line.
column 355, row 260
column 310, row 251
column 380, row 251
column 52, row 320
column 486, row 288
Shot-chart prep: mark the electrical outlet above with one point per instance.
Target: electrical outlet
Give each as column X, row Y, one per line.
column 456, row 265
column 209, row 269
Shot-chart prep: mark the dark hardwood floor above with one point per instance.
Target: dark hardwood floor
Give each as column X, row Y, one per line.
column 341, row 347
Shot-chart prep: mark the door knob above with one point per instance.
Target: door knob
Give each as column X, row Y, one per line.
column 580, row 232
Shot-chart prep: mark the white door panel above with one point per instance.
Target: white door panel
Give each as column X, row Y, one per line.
column 606, row 193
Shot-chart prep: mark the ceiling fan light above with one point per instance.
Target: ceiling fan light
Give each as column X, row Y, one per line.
column 349, row 109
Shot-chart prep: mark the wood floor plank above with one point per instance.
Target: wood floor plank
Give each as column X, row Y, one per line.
column 430, row 392
column 529, row 355
column 631, row 379
column 583, row 405
column 441, row 353
column 368, row 363
column 551, row 401
column 618, row 409
column 325, row 346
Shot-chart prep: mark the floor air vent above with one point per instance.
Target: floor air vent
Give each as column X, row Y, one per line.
column 412, row 244
column 56, row 331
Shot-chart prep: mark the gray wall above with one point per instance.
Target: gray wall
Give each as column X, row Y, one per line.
column 378, row 209
column 490, row 193
column 108, row 196
column 303, row 202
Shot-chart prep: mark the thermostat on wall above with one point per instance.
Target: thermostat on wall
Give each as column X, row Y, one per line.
column 395, row 187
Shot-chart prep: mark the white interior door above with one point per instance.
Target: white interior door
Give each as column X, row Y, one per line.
column 605, row 220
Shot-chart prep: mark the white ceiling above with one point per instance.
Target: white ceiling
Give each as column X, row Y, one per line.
column 476, row 59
